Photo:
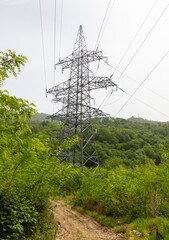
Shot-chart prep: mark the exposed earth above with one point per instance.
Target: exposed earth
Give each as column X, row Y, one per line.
column 73, row 225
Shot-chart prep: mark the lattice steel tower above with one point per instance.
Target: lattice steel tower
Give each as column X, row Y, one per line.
column 76, row 113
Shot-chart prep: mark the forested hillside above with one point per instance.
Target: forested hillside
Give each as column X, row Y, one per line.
column 120, row 141
column 128, row 142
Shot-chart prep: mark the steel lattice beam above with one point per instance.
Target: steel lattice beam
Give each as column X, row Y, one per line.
column 74, row 94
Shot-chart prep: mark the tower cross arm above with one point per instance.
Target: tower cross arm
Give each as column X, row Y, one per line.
column 100, row 82
column 87, row 56
column 55, row 90
column 96, row 112
column 66, row 62
column 92, row 56
column 60, row 89
column 59, row 99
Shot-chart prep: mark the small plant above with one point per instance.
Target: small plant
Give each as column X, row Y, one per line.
column 150, row 228
column 120, row 229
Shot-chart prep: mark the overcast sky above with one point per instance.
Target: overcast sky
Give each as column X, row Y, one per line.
column 20, row 29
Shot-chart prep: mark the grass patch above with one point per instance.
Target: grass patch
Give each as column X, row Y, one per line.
column 102, row 219
column 150, row 228
column 120, row 229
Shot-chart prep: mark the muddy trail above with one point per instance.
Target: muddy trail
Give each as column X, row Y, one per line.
column 72, row 225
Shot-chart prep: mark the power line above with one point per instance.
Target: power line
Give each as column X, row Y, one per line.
column 61, row 20
column 113, row 101
column 143, row 42
column 43, row 48
column 102, row 23
column 142, row 82
column 122, row 73
column 146, row 104
column 54, row 57
column 136, row 34
column 104, row 100
column 108, row 95
column 155, row 93
column 106, row 23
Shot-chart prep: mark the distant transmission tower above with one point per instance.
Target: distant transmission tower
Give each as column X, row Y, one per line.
column 76, row 113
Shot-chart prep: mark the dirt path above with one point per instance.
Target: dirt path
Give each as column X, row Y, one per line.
column 76, row 226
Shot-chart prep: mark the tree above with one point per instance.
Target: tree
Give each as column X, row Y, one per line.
column 28, row 170
column 10, row 63
column 13, row 114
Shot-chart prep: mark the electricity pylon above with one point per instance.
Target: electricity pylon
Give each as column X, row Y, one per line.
column 76, row 112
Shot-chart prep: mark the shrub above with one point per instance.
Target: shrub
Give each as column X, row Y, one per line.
column 18, row 216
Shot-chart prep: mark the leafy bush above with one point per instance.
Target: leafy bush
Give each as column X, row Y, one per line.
column 18, row 216
column 29, row 168
column 126, row 193
column 150, row 228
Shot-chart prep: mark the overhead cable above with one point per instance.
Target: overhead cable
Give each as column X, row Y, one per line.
column 43, row 48
column 106, row 23
column 113, row 101
column 146, row 104
column 134, row 80
column 142, row 82
column 54, row 57
column 143, row 42
column 102, row 23
column 122, row 73
column 136, row 34
column 61, row 20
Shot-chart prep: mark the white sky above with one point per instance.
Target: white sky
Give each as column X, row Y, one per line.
column 21, row 31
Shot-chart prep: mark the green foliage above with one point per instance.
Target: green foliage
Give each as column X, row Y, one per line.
column 14, row 112
column 47, row 227
column 127, row 194
column 121, row 142
column 120, row 229
column 18, row 217
column 10, row 63
column 30, row 171
column 150, row 228
column 135, row 200
column 132, row 186
column 129, row 143
column 104, row 220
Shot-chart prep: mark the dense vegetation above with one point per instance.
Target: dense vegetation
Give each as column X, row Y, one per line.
column 133, row 188
column 29, row 167
column 120, row 141
column 134, row 184
column 127, row 142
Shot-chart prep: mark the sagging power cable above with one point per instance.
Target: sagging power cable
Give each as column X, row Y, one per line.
column 122, row 73
column 102, row 24
column 143, row 42
column 136, row 34
column 60, row 38
column 101, row 35
column 158, row 63
column 43, row 48
column 54, row 57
